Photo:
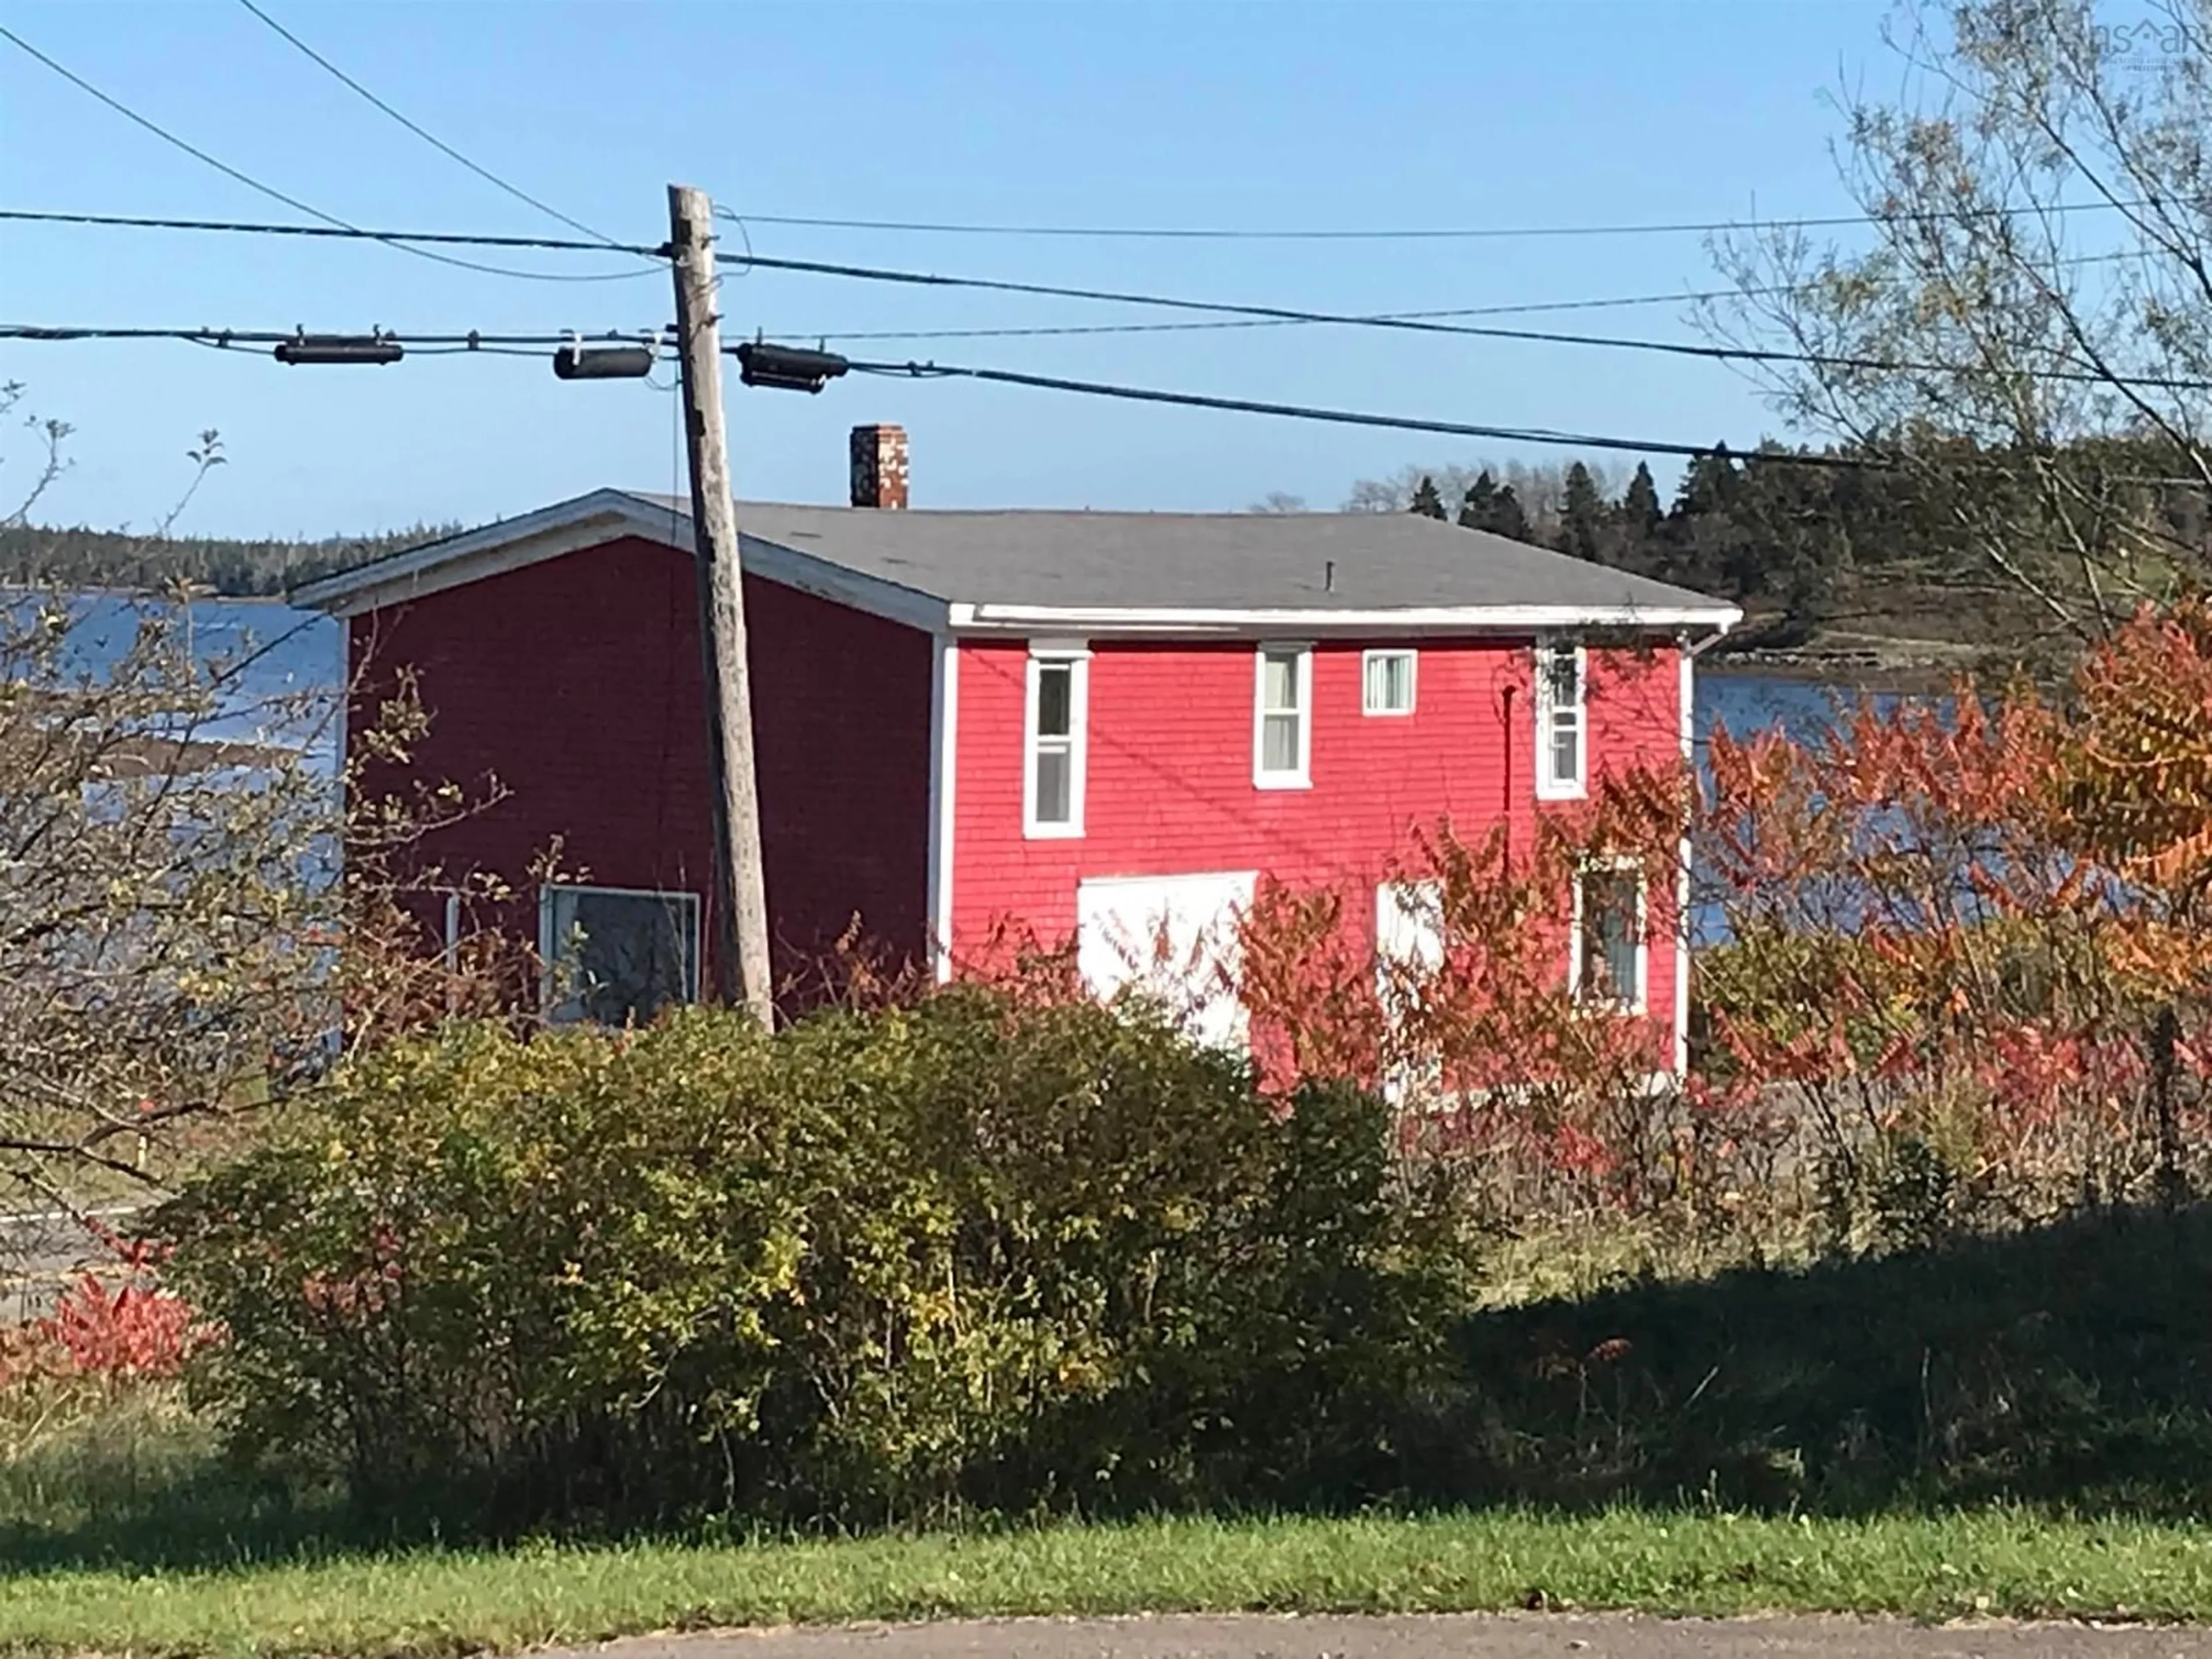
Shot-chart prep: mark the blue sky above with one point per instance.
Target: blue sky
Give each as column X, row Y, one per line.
column 1193, row 113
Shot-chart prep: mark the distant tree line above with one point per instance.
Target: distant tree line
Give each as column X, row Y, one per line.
column 34, row 555
column 1805, row 546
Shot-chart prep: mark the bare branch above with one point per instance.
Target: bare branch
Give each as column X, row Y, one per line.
column 2031, row 215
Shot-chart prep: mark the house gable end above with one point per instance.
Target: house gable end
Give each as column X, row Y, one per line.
column 593, row 521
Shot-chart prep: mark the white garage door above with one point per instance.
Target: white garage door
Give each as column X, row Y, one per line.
column 1174, row 936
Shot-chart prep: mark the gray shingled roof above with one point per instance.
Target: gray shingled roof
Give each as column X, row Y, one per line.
column 1383, row 561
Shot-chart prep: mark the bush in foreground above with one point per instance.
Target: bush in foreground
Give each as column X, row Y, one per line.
column 988, row 1250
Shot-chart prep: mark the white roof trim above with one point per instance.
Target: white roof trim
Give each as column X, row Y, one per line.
column 406, row 573
column 789, row 568
column 1407, row 620
column 587, row 520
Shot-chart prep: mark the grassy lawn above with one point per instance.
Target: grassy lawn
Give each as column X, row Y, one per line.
column 2015, row 1426
column 1987, row 1564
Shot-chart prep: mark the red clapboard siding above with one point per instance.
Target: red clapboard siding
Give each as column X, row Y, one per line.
column 577, row 683
column 1169, row 786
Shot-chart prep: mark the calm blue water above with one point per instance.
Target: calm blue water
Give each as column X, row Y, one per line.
column 283, row 652
column 286, row 652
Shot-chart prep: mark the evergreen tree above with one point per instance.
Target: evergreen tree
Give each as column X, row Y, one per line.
column 1709, row 485
column 1708, row 545
column 1640, row 512
column 1582, row 514
column 1506, row 517
column 1426, row 501
column 1480, row 502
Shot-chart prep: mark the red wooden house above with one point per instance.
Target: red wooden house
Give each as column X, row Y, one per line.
column 1087, row 725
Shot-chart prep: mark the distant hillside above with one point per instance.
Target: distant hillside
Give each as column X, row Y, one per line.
column 1867, row 559
column 44, row 554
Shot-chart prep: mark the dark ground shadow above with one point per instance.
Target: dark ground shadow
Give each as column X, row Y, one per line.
column 194, row 1513
column 2069, row 1367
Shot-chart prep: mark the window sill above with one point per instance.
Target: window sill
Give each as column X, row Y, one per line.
column 1562, row 791
column 1052, row 832
column 1594, row 1010
column 1387, row 713
column 1281, row 780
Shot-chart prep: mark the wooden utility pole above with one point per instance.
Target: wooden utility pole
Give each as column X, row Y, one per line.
column 740, row 894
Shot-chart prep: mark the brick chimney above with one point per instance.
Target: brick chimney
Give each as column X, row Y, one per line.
column 879, row 467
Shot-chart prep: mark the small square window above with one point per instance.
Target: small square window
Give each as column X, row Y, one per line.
column 1387, row 682
column 617, row 955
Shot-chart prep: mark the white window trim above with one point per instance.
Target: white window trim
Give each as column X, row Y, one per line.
column 1549, row 787
column 1413, row 683
column 1076, row 653
column 549, row 947
column 1687, row 712
column 944, row 770
column 1301, row 778
column 1640, row 1004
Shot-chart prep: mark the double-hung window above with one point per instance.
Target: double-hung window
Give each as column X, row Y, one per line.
column 1055, row 738
column 1607, row 959
column 1282, row 718
column 1386, row 683
column 1562, row 719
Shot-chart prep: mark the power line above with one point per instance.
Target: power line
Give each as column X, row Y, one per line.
column 275, row 195
column 489, row 343
column 1356, row 417
column 44, row 332
column 1828, row 461
column 131, row 221
column 1521, row 308
column 335, row 230
column 427, row 137
column 1279, row 314
column 517, row 345
column 1540, row 337
column 429, row 344
column 1477, row 233
column 1686, row 296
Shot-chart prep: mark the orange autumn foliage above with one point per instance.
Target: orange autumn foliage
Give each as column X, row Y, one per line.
column 1496, row 1058
column 1980, row 929
column 1961, row 962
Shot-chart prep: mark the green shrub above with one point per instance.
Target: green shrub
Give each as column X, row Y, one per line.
column 984, row 1251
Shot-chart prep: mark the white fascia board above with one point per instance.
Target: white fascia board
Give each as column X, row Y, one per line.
column 430, row 567
column 1425, row 620
column 788, row 566
column 588, row 521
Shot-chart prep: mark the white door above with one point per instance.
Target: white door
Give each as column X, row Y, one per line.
column 1173, row 936
column 1409, row 949
column 1409, row 927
